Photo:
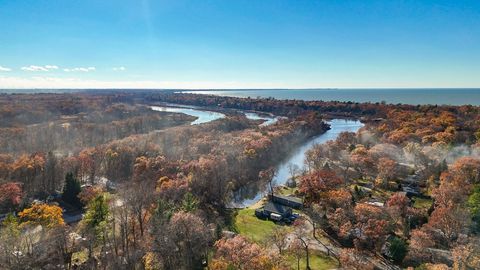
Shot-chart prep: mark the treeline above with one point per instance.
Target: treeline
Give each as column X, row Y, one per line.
column 400, row 122
column 71, row 133
column 74, row 133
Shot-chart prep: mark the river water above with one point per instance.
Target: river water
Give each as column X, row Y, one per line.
column 202, row 116
column 268, row 119
column 252, row 194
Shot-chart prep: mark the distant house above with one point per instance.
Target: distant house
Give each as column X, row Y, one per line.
column 289, row 201
column 376, row 203
column 411, row 191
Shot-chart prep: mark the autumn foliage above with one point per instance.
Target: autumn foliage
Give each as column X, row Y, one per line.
column 317, row 182
column 10, row 195
column 172, row 181
column 239, row 253
column 42, row 214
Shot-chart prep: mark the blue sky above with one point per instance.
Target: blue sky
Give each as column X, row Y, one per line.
column 239, row 44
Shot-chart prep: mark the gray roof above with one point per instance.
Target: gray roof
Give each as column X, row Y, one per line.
column 276, row 208
column 290, row 198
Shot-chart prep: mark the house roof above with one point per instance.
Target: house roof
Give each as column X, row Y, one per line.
column 289, row 198
column 276, row 208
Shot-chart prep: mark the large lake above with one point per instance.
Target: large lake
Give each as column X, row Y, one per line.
column 450, row 96
column 457, row 96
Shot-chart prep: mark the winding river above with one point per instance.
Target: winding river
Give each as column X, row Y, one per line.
column 253, row 193
column 202, row 116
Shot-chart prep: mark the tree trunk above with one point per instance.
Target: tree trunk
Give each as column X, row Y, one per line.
column 308, row 257
column 140, row 221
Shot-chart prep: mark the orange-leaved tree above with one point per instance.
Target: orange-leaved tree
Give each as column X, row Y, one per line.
column 42, row 214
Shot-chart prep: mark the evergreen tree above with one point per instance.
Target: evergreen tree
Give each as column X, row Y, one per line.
column 97, row 212
column 95, row 222
column 398, row 249
column 189, row 203
column 71, row 190
column 473, row 204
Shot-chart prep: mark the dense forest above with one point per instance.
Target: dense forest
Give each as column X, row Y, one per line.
column 99, row 180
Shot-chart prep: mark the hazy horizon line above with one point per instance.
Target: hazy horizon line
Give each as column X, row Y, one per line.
column 248, row 89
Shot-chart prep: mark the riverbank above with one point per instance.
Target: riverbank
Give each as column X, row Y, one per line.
column 203, row 116
column 294, row 160
column 252, row 193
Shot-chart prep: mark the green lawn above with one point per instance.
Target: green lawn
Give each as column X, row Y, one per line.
column 422, row 203
column 317, row 262
column 255, row 229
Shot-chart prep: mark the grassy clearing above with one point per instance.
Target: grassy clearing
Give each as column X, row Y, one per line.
column 255, row 229
column 422, row 203
column 318, row 261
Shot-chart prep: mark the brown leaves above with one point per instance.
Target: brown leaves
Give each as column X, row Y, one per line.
column 10, row 194
column 314, row 183
column 243, row 255
column 353, row 259
column 450, row 221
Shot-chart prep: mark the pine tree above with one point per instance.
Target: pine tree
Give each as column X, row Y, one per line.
column 71, row 190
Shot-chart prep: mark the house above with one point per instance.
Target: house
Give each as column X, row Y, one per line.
column 274, row 211
column 279, row 208
column 289, row 201
column 411, row 191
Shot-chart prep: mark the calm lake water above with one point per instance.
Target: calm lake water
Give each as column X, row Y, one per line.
column 458, row 96
column 203, row 116
column 449, row 96
column 253, row 193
